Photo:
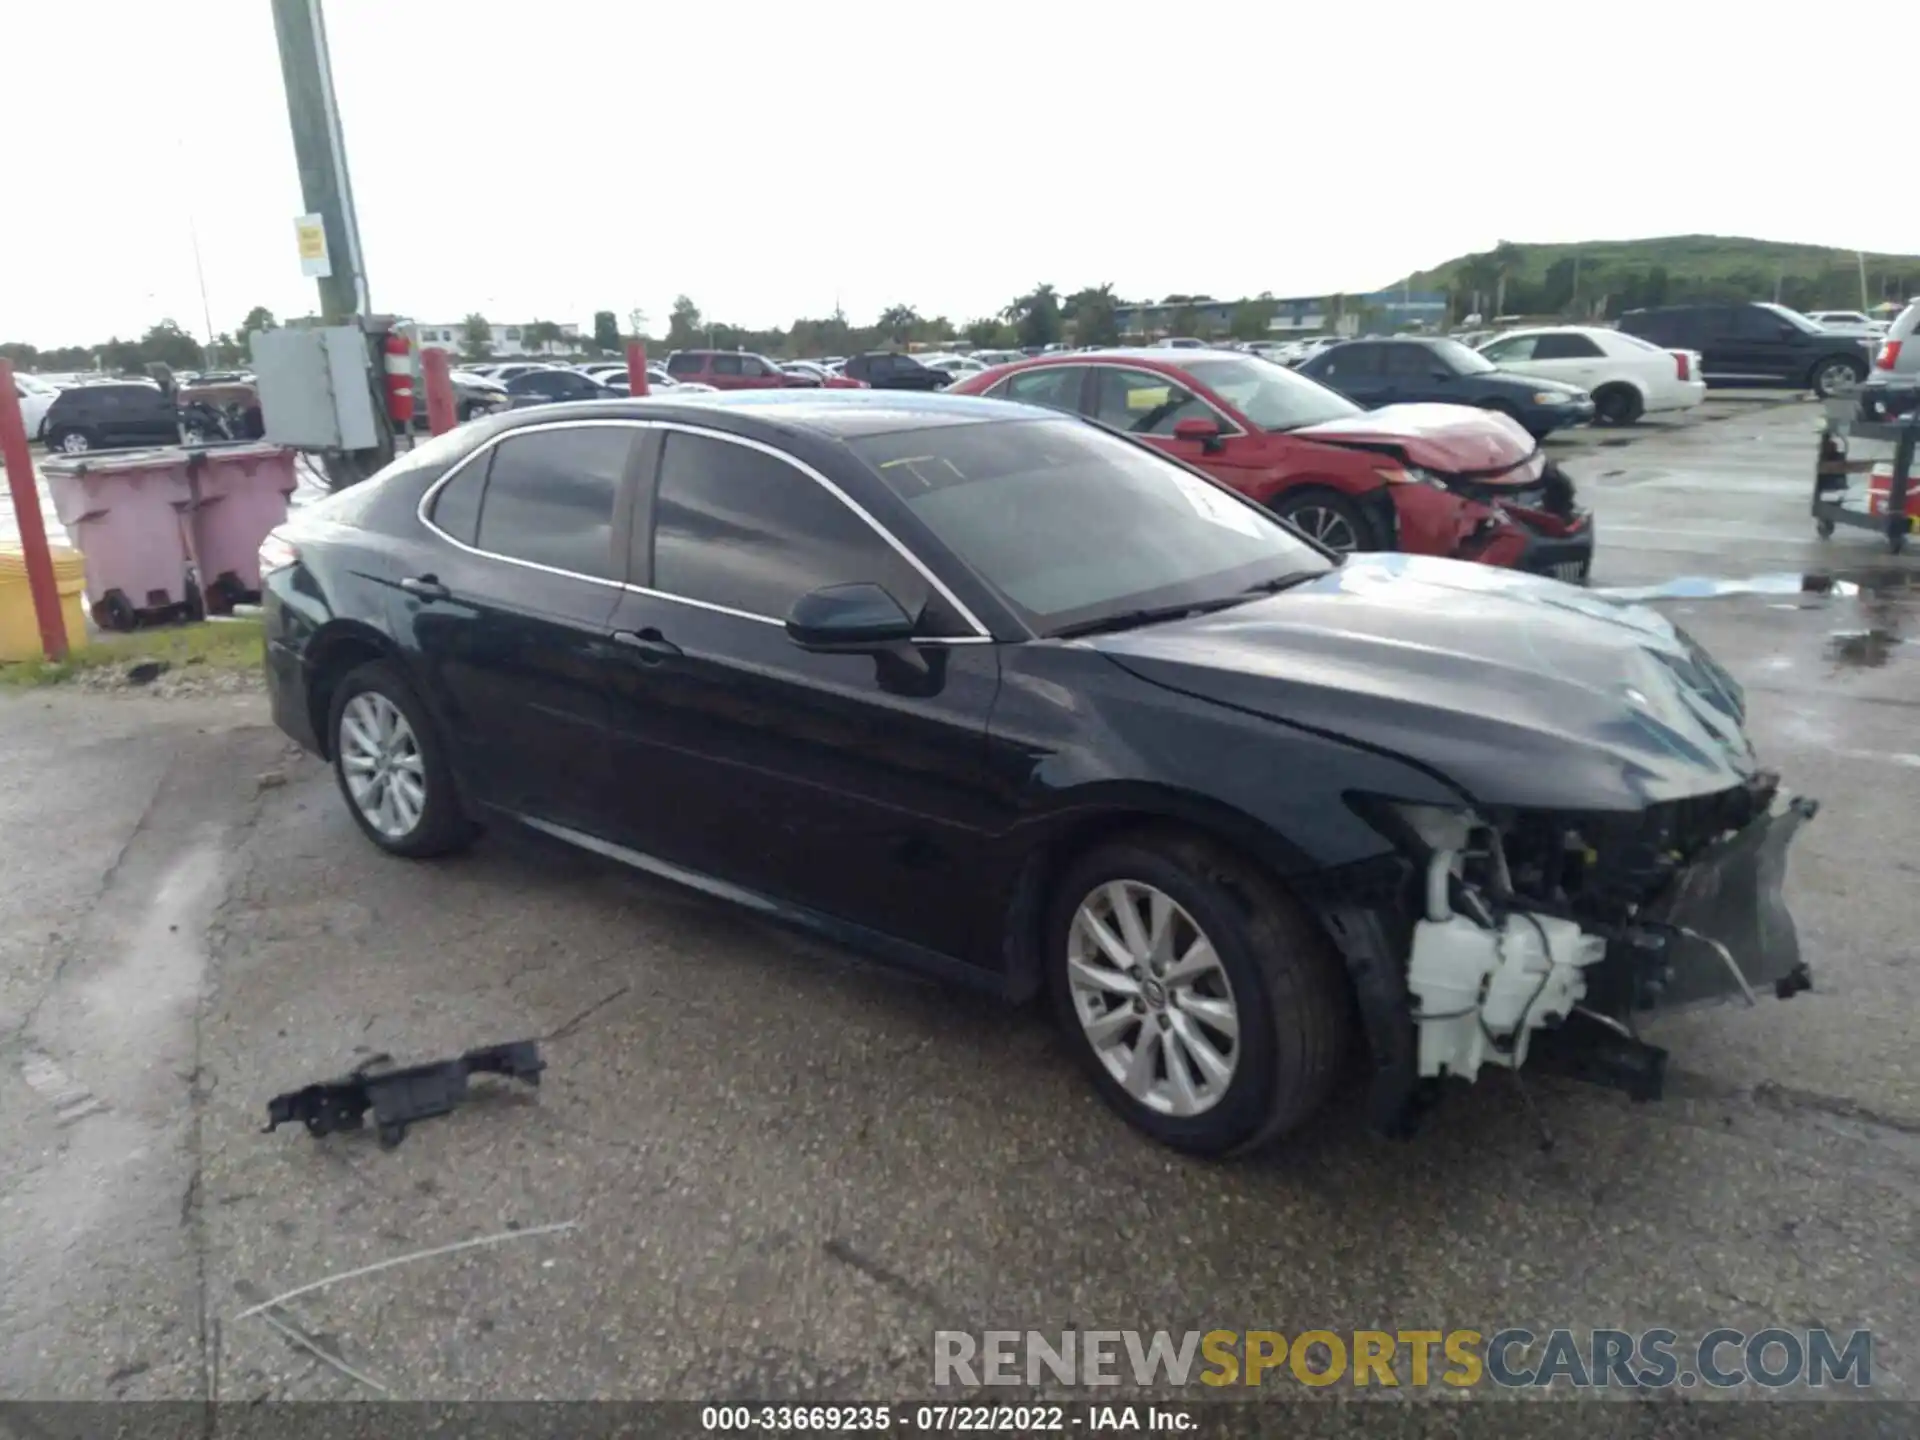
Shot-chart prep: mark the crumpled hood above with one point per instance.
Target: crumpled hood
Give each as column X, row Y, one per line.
column 1452, row 439
column 1520, row 691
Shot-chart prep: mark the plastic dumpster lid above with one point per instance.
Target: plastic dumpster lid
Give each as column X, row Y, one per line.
column 109, row 461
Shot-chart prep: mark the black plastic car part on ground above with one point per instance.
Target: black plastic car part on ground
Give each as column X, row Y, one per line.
column 1000, row 695
column 884, row 371
column 1756, row 345
column 1405, row 370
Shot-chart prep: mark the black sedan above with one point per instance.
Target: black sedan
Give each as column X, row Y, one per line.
column 1408, row 370
column 1005, row 696
column 554, row 386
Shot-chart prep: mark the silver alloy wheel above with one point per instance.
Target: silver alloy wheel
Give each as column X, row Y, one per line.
column 75, row 442
column 1153, row 998
column 1833, row 378
column 1329, row 527
column 381, row 758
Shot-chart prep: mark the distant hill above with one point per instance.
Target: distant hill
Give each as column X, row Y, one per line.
column 1612, row 275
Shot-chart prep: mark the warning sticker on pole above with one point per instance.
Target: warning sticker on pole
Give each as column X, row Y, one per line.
column 311, row 232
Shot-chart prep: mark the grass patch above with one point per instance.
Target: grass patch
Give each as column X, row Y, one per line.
column 210, row 645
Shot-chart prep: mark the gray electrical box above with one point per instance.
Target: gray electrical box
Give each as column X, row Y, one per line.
column 316, row 388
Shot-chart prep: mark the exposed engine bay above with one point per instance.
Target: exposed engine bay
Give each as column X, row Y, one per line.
column 1530, row 921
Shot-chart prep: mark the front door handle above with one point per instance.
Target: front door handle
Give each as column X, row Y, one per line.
column 427, row 587
column 651, row 646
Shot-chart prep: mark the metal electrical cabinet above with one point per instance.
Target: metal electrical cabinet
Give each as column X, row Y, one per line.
column 317, row 388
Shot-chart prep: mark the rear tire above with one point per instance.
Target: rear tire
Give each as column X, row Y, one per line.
column 1328, row 517
column 391, row 766
column 1617, row 405
column 1269, row 1000
column 1832, row 376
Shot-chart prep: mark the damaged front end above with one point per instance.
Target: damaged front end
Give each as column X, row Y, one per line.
column 1546, row 934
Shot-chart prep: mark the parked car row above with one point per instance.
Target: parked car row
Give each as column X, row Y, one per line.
column 1028, row 701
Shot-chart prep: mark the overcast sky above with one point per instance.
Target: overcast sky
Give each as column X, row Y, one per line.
column 541, row 159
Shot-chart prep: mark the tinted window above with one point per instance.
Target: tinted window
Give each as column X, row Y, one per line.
column 456, row 509
column 1345, row 362
column 550, row 496
column 1566, row 346
column 680, row 364
column 1055, row 386
column 1142, row 402
column 1070, row 523
column 1756, row 324
column 1411, row 362
column 727, row 365
column 737, row 527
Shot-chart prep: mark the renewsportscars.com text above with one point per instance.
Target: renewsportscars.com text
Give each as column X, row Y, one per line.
column 1772, row 1358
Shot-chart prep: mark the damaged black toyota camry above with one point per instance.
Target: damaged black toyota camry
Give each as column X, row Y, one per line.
column 997, row 694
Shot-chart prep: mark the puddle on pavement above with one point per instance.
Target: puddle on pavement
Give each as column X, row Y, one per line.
column 1883, row 597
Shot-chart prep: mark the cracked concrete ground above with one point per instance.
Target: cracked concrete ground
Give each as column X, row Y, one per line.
column 788, row 1167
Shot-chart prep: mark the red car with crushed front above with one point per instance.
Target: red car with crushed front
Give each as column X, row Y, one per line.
column 1444, row 480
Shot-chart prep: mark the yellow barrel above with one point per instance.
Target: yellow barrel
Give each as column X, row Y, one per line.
column 19, row 630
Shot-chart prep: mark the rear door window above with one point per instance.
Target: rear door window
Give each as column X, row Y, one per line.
column 1057, row 387
column 1565, row 347
column 550, row 498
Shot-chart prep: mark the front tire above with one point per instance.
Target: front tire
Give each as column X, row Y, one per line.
column 1328, row 517
column 391, row 766
column 70, row 442
column 1207, row 1007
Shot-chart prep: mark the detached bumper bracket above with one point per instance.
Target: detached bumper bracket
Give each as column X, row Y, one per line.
column 399, row 1097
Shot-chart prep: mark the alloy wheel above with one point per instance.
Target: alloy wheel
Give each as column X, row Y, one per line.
column 380, row 755
column 1153, row 998
column 1327, row 526
column 75, row 442
column 1833, row 378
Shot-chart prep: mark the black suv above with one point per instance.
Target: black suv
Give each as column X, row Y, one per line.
column 884, row 371
column 1756, row 344
column 120, row 415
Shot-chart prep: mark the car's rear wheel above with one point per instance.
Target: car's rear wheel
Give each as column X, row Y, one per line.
column 391, row 766
column 70, row 442
column 1208, row 1008
column 1328, row 517
column 1617, row 405
column 1834, row 375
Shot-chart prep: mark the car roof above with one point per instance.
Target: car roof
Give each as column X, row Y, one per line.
column 825, row 414
column 1552, row 330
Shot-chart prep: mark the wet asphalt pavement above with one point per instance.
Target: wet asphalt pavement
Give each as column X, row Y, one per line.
column 786, row 1168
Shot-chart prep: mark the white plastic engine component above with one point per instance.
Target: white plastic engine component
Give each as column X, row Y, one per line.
column 1478, row 994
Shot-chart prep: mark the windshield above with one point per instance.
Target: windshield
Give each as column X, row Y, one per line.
column 1793, row 318
column 1071, row 524
column 1461, row 359
column 1271, row 396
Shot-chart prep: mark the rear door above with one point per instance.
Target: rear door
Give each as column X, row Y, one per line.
column 1056, row 387
column 510, row 610
column 854, row 785
column 1568, row 356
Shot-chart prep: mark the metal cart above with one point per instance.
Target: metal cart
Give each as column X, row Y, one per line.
column 1832, row 474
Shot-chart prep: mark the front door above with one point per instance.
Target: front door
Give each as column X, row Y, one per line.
column 1150, row 403
column 509, row 607
column 853, row 785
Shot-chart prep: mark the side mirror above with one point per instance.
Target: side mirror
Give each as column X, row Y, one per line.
column 848, row 619
column 1200, row 429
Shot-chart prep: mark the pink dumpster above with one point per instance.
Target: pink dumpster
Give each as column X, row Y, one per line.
column 122, row 513
column 239, row 493
column 173, row 532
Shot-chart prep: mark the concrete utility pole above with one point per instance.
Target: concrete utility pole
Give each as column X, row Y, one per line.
column 321, row 152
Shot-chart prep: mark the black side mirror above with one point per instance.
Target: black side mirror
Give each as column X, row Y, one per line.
column 848, row 619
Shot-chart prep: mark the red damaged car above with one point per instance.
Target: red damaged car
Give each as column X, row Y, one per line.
column 1443, row 480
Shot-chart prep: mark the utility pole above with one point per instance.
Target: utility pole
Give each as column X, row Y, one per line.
column 321, row 152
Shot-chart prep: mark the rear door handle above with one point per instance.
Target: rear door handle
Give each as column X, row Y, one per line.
column 650, row 645
column 427, row 587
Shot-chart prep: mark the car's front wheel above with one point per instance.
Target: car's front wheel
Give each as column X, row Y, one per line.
column 1327, row 516
column 391, row 767
column 70, row 442
column 1209, row 1009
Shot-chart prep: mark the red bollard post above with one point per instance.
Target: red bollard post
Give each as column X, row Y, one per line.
column 636, row 368
column 26, row 513
column 442, row 411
